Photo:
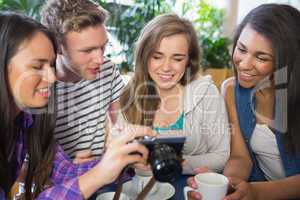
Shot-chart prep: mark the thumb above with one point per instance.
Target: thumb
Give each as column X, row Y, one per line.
column 84, row 154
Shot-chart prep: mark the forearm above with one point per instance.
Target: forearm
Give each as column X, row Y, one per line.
column 287, row 188
column 238, row 167
column 88, row 184
column 214, row 161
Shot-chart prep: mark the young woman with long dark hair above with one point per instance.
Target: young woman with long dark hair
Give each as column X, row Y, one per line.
column 30, row 159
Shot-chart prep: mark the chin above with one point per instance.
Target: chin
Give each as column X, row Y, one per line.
column 166, row 87
column 245, row 84
column 90, row 78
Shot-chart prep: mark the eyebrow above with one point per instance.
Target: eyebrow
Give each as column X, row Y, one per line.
column 176, row 54
column 43, row 60
column 257, row 52
column 93, row 47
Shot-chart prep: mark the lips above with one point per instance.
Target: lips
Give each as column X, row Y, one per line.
column 93, row 71
column 165, row 77
column 245, row 76
column 44, row 92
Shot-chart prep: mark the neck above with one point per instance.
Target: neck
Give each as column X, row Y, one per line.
column 175, row 92
column 65, row 73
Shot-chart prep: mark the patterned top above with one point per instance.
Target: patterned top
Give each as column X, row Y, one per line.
column 82, row 110
column 64, row 174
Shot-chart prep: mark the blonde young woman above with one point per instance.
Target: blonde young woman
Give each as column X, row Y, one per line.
column 167, row 93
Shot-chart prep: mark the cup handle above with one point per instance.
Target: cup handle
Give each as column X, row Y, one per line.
column 186, row 190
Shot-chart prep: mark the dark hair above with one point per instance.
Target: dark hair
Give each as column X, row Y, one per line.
column 280, row 24
column 14, row 30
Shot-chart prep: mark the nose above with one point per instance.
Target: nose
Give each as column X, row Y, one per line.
column 50, row 75
column 166, row 66
column 98, row 56
column 246, row 62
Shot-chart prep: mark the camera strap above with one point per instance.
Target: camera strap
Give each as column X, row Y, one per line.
column 146, row 189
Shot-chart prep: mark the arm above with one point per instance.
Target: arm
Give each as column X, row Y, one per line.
column 116, row 91
column 113, row 111
column 72, row 181
column 287, row 188
column 2, row 194
column 209, row 144
column 239, row 164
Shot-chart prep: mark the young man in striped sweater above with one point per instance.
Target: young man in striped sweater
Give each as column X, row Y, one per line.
column 89, row 85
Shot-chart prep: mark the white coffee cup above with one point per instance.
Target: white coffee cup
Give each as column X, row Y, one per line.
column 211, row 186
column 110, row 196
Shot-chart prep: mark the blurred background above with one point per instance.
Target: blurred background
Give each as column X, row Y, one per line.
column 214, row 20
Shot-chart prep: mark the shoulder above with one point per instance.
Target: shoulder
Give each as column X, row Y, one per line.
column 200, row 90
column 201, row 84
column 227, row 89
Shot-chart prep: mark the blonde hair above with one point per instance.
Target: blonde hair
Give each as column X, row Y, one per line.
column 136, row 106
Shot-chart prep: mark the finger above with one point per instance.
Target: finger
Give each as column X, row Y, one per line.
column 141, row 166
column 192, row 183
column 240, row 187
column 234, row 181
column 193, row 195
column 201, row 170
column 135, row 148
column 237, row 195
column 132, row 159
column 84, row 154
column 139, row 131
column 83, row 160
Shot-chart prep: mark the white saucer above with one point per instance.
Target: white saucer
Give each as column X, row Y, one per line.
column 164, row 191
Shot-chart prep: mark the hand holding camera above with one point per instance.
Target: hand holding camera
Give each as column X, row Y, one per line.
column 164, row 156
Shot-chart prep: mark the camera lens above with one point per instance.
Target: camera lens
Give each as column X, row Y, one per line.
column 165, row 165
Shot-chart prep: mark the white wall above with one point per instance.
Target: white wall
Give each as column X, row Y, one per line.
column 245, row 6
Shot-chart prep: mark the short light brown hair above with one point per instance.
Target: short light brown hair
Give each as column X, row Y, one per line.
column 62, row 16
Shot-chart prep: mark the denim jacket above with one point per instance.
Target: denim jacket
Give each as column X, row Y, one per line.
column 245, row 106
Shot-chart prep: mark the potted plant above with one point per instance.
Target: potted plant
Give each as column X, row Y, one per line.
column 127, row 22
column 28, row 7
column 215, row 47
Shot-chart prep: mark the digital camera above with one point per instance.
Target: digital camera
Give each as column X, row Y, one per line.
column 165, row 156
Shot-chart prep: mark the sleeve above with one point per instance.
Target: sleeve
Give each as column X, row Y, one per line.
column 210, row 141
column 117, row 84
column 2, row 194
column 65, row 178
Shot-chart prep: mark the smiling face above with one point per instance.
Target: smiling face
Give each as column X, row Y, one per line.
column 168, row 62
column 31, row 72
column 83, row 51
column 252, row 57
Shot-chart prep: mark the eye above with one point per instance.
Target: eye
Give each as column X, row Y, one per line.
column 178, row 59
column 262, row 59
column 156, row 57
column 241, row 50
column 37, row 67
column 87, row 51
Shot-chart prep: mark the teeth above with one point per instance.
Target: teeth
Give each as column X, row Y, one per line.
column 165, row 76
column 43, row 90
column 244, row 74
